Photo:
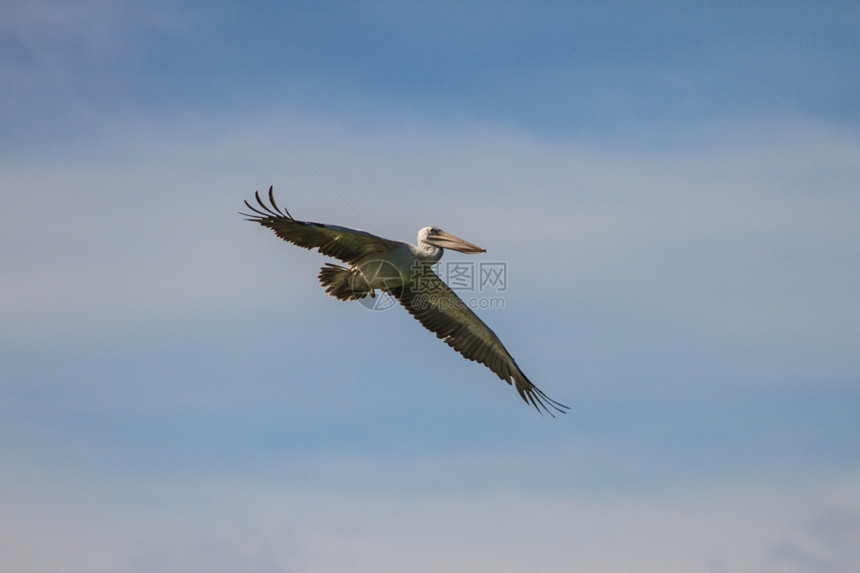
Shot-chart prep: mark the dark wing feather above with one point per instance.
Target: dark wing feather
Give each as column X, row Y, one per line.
column 441, row 311
column 348, row 245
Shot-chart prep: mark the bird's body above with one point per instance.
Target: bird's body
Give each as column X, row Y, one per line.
column 405, row 272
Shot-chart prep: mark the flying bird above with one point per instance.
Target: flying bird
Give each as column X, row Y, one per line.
column 404, row 272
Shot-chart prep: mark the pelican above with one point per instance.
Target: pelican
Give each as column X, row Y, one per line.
column 403, row 271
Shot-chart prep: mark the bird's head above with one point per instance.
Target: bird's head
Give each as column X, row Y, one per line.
column 439, row 238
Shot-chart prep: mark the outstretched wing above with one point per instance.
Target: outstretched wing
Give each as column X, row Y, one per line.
column 441, row 311
column 348, row 245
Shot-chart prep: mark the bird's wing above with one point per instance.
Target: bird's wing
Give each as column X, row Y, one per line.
column 441, row 311
column 348, row 245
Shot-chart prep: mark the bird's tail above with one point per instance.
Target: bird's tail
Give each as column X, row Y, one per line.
column 343, row 283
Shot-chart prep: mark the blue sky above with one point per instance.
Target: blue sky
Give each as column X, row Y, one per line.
column 672, row 189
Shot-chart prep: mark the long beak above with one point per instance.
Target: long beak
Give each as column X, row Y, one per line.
column 446, row 241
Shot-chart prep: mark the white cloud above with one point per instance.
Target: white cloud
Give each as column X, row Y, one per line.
column 198, row 523
column 49, row 33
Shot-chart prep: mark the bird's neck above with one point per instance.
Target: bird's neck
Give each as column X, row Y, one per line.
column 429, row 253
